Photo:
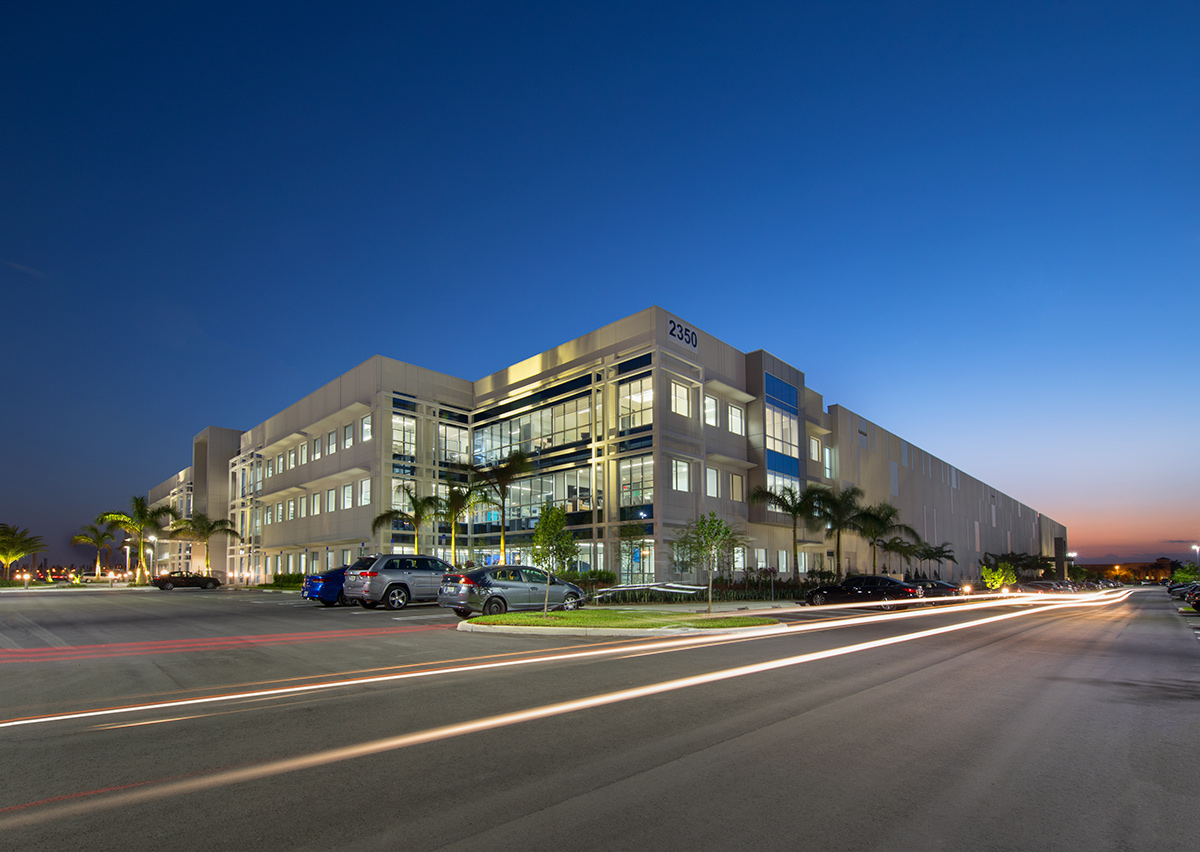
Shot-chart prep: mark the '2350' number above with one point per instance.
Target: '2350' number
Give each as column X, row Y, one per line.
column 681, row 332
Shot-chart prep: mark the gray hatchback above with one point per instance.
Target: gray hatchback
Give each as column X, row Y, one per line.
column 492, row 591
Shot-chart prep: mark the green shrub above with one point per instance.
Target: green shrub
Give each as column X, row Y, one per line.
column 287, row 581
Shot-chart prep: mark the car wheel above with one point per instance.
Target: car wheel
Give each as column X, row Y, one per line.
column 209, row 584
column 167, row 586
column 1196, row 605
column 395, row 597
column 818, row 599
column 343, row 600
column 368, row 604
column 463, row 613
column 887, row 606
column 571, row 601
column 495, row 606
column 328, row 603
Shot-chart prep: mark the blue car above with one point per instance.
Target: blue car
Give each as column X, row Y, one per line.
column 326, row 588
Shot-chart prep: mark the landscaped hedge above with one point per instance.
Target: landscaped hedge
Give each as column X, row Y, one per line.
column 287, row 581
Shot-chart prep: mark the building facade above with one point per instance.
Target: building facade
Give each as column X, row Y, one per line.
column 635, row 429
column 203, row 486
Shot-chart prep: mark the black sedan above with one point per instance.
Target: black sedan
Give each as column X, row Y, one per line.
column 940, row 588
column 866, row 589
column 183, row 579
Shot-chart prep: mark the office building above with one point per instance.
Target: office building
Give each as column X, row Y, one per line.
column 635, row 429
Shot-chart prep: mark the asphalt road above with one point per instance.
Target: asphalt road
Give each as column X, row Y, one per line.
column 242, row 720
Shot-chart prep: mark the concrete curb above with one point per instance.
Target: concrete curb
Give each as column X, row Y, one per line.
column 514, row 630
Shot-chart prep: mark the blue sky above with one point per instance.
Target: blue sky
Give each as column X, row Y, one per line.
column 979, row 227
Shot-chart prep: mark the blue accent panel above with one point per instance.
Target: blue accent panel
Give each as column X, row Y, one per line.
column 780, row 463
column 781, row 393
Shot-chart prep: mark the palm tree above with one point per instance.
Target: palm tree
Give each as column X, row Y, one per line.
column 800, row 506
column 459, row 501
column 497, row 480
column 421, row 509
column 16, row 544
column 200, row 528
column 95, row 537
column 906, row 550
column 880, row 522
column 840, row 511
column 138, row 521
column 939, row 554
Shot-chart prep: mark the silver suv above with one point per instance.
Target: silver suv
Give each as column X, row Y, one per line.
column 393, row 580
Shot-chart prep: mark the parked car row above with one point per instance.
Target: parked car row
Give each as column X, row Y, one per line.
column 891, row 592
column 394, row 581
column 1064, row 587
column 1189, row 593
column 888, row 592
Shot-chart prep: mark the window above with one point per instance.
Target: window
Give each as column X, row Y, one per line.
column 739, row 558
column 268, row 516
column 710, row 481
column 316, row 448
column 331, row 442
column 760, row 557
column 365, row 428
column 304, row 453
column 404, row 438
column 828, row 463
column 364, row 492
column 291, row 458
column 348, row 436
column 681, row 400
column 712, row 416
column 279, row 464
column 777, row 481
column 454, row 444
column 270, row 468
column 348, row 496
column 330, row 499
column 814, row 448
column 635, row 403
column 781, row 431
column 279, row 512
column 292, row 509
column 303, row 505
column 736, row 488
column 680, row 475
column 315, row 500
column 736, row 424
column 636, row 478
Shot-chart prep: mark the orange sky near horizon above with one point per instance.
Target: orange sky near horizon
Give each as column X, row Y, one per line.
column 1098, row 535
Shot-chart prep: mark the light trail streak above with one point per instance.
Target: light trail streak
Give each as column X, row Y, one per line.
column 136, row 794
column 178, row 646
column 673, row 643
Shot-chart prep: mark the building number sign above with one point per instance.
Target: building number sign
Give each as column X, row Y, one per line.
column 685, row 335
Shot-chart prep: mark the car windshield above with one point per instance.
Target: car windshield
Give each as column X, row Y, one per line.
column 363, row 562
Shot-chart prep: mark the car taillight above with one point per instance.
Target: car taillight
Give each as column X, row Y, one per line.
column 368, row 573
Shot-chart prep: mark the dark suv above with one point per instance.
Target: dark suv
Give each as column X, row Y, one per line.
column 393, row 580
